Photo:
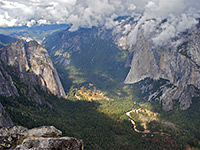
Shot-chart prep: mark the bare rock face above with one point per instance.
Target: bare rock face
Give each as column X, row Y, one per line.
column 7, row 87
column 5, row 120
column 64, row 143
column 45, row 131
column 11, row 136
column 178, row 64
column 15, row 130
column 46, row 137
column 33, row 66
column 41, row 64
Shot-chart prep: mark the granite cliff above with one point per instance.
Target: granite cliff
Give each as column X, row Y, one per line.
column 177, row 63
column 29, row 64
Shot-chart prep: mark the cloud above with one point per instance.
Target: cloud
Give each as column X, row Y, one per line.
column 173, row 27
column 81, row 13
column 162, row 20
column 180, row 14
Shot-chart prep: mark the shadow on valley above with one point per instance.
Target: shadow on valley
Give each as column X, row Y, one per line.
column 93, row 55
column 79, row 119
column 102, row 67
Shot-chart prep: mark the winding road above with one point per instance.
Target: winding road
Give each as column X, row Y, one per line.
column 134, row 124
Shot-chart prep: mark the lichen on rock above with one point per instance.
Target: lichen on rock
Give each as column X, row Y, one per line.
column 45, row 137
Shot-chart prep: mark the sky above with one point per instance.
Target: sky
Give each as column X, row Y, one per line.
column 180, row 14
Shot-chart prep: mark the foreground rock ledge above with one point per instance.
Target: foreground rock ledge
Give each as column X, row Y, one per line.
column 46, row 137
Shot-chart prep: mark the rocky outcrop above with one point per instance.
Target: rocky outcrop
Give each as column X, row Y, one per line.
column 46, row 137
column 45, row 131
column 64, row 143
column 5, row 120
column 178, row 64
column 33, row 66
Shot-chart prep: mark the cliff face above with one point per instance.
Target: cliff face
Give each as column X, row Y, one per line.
column 33, row 66
column 41, row 65
column 178, row 64
column 7, row 87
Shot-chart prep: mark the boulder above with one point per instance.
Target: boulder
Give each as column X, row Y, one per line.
column 45, row 137
column 65, row 143
column 11, row 136
column 45, row 131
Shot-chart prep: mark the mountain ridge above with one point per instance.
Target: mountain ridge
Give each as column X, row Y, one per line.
column 30, row 63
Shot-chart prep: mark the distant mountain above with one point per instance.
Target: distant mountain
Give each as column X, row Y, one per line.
column 36, row 32
column 92, row 53
column 5, row 40
column 26, row 68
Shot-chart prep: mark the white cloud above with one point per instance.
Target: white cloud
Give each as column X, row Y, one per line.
column 43, row 21
column 186, row 22
column 166, row 34
column 173, row 26
column 30, row 23
column 88, row 12
column 180, row 14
